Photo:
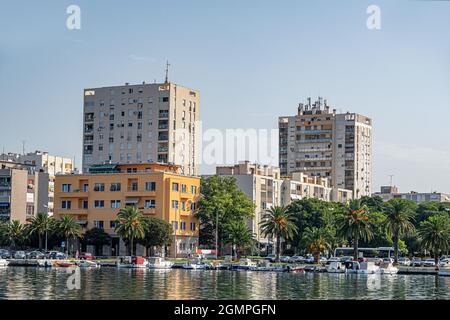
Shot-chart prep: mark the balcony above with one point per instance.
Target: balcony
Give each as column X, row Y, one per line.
column 76, row 211
column 151, row 211
column 75, row 193
column 314, row 140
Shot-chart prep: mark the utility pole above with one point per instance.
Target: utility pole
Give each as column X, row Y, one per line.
column 391, row 176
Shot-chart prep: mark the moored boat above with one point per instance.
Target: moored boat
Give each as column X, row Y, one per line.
column 388, row 268
column 45, row 263
column 3, row 263
column 88, row 264
column 244, row 265
column 335, row 267
column 64, row 264
column 135, row 262
column 367, row 267
column 159, row 263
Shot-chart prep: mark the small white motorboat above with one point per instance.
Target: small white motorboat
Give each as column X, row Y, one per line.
column 367, row 267
column 159, row 263
column 45, row 263
column 132, row 262
column 245, row 265
column 388, row 268
column 3, row 263
column 88, row 264
column 336, row 267
column 197, row 264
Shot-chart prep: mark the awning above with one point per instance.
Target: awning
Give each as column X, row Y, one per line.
column 131, row 200
column 295, row 197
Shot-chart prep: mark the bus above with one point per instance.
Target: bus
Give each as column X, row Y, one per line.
column 380, row 252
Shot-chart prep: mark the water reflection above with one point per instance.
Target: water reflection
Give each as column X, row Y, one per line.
column 111, row 283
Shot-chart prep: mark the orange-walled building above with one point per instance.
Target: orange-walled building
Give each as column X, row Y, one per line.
column 158, row 190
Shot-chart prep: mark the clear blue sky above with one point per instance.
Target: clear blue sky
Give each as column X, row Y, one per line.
column 256, row 58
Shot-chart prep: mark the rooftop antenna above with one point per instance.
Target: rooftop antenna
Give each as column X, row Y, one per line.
column 23, row 147
column 167, row 71
column 391, row 176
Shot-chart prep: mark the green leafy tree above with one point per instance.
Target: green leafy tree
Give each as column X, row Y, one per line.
column 354, row 224
column 240, row 237
column 15, row 233
column 130, row 225
column 221, row 204
column 157, row 233
column 317, row 241
column 434, row 234
column 310, row 213
column 41, row 224
column 278, row 222
column 68, row 228
column 399, row 221
column 374, row 204
column 96, row 237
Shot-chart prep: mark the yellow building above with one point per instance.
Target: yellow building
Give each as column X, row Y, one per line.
column 158, row 190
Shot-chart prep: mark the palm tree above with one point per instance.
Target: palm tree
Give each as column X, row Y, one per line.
column 434, row 234
column 69, row 228
column 41, row 224
column 399, row 218
column 15, row 233
column 354, row 224
column 130, row 225
column 278, row 222
column 239, row 236
column 316, row 240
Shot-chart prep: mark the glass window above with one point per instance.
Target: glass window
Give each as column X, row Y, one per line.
column 175, row 186
column 99, row 204
column 175, row 204
column 115, row 204
column 66, row 187
column 115, row 187
column 150, row 186
column 99, row 187
column 150, row 204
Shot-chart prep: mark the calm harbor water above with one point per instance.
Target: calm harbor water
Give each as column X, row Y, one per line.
column 112, row 283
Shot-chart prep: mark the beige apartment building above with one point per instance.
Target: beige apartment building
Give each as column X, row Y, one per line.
column 142, row 123
column 23, row 191
column 323, row 143
column 266, row 188
column 43, row 161
column 262, row 184
column 391, row 192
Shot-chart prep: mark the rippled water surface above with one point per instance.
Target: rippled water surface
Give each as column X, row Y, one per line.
column 112, row 283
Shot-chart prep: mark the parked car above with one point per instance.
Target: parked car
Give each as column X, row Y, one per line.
column 309, row 259
column 56, row 255
column 20, row 255
column 323, row 260
column 5, row 254
column 86, row 256
column 416, row 262
column 403, row 261
column 271, row 257
column 35, row 255
column 285, row 258
column 428, row 263
column 444, row 262
column 297, row 259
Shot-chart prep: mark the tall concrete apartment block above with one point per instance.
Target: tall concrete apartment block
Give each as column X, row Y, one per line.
column 144, row 123
column 323, row 143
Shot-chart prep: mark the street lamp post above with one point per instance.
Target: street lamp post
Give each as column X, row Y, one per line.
column 217, row 234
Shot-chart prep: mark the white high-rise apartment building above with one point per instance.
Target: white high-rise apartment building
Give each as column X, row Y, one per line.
column 142, row 123
column 323, row 143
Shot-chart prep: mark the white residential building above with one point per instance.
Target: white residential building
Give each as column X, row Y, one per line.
column 323, row 143
column 142, row 123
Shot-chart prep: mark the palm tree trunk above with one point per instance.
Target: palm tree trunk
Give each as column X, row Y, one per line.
column 395, row 240
column 355, row 247
column 436, row 258
column 67, row 245
column 40, row 241
column 131, row 246
column 278, row 248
